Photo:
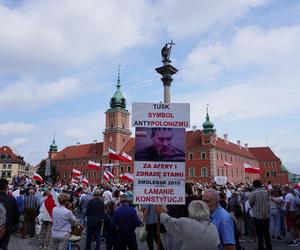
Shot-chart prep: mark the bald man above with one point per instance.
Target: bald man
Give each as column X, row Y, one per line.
column 221, row 219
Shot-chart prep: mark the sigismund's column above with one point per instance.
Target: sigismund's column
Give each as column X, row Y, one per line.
column 167, row 70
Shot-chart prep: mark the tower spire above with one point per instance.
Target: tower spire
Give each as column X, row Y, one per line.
column 208, row 126
column 53, row 146
column 118, row 81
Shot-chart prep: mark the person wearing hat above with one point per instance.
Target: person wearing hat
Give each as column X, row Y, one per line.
column 124, row 222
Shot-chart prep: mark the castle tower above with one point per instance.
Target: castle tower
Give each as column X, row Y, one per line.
column 117, row 131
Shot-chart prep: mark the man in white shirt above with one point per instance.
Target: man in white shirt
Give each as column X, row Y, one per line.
column 291, row 215
column 107, row 195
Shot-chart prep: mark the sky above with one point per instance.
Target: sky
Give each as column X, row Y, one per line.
column 59, row 62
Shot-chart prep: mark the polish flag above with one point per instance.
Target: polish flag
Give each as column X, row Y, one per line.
column 93, row 165
column 74, row 181
column 113, row 155
column 126, row 177
column 106, row 176
column 126, row 157
column 111, row 176
column 37, row 177
column 250, row 169
column 85, row 181
column 76, row 172
column 227, row 164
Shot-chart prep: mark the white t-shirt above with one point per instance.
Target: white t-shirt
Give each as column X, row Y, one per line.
column 291, row 199
column 107, row 195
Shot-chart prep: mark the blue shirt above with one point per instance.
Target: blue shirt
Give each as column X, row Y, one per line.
column 224, row 224
column 151, row 215
column 125, row 218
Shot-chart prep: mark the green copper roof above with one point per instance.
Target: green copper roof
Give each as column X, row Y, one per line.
column 208, row 126
column 53, row 146
column 283, row 168
column 118, row 99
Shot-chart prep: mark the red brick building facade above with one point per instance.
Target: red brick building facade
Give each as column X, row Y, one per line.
column 207, row 155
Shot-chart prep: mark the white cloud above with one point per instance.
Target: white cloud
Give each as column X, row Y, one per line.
column 38, row 34
column 27, row 94
column 75, row 134
column 251, row 50
column 20, row 141
column 15, row 128
column 182, row 19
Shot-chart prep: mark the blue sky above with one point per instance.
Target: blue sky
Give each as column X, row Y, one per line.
column 59, row 62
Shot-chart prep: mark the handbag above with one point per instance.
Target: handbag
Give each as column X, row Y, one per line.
column 143, row 234
column 76, row 230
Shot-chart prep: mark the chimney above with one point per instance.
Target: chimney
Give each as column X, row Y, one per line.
column 246, row 146
column 194, row 128
column 77, row 143
column 238, row 142
column 95, row 141
column 226, row 138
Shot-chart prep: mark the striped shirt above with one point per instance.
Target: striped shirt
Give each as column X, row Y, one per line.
column 259, row 202
column 224, row 224
column 30, row 201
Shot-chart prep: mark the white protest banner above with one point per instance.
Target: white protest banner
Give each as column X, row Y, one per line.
column 159, row 182
column 171, row 115
column 221, row 180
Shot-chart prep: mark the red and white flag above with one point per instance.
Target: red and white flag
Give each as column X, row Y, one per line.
column 126, row 157
column 85, row 181
column 76, row 172
column 37, row 177
column 126, row 177
column 105, row 176
column 111, row 176
column 93, row 165
column 227, row 164
column 251, row 169
column 113, row 155
column 74, row 181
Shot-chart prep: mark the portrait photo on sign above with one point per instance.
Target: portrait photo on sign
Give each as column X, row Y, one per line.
column 160, row 144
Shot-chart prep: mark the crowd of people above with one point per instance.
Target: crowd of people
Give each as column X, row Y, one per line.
column 213, row 217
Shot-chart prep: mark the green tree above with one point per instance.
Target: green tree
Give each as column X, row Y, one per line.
column 41, row 171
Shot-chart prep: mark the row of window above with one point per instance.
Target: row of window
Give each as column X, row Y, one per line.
column 272, row 173
column 204, row 172
column 202, row 156
column 5, row 174
column 226, row 172
column 270, row 164
column 90, row 174
column 231, row 159
column 6, row 166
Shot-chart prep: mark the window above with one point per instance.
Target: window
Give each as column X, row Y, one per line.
column 266, row 164
column 225, row 157
column 203, row 155
column 237, row 172
column 121, row 169
column 218, row 172
column 273, row 164
column 226, row 172
column 128, row 168
column 232, row 173
column 8, row 174
column 66, row 175
column 9, row 166
column 274, row 173
column 77, row 163
column 191, row 156
column 267, row 174
column 4, row 166
column 71, row 164
column 3, row 174
column 230, row 158
column 95, row 174
column 83, row 173
column 217, row 156
column 191, row 172
column 222, row 172
column 67, row 163
column 204, row 172
column 99, row 174
column 88, row 174
column 83, row 163
column 221, row 157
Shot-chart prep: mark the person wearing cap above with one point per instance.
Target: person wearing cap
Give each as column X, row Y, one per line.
column 124, row 222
